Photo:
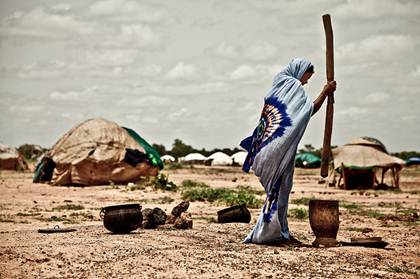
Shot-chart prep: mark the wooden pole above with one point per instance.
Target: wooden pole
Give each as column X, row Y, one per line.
column 326, row 149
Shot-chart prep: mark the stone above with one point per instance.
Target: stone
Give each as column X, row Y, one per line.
column 184, row 221
column 182, row 207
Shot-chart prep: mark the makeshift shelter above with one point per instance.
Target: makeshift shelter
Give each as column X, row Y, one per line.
column 219, row 159
column 167, row 159
column 358, row 161
column 98, row 151
column 194, row 158
column 239, row 158
column 10, row 159
column 307, row 160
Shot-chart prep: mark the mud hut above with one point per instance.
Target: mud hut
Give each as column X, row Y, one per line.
column 358, row 162
column 95, row 152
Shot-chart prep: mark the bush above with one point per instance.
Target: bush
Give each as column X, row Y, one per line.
column 198, row 191
column 299, row 213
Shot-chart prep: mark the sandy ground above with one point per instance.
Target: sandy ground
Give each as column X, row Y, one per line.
column 209, row 250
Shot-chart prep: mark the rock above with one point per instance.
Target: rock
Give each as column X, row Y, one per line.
column 159, row 216
column 170, row 219
column 182, row 207
column 184, row 221
column 148, row 219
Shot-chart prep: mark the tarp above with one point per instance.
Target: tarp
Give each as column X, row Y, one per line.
column 99, row 151
column 413, row 161
column 220, row 159
column 167, row 158
column 239, row 157
column 194, row 157
column 307, row 160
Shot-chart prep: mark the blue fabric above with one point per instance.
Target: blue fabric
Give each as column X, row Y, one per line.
column 272, row 148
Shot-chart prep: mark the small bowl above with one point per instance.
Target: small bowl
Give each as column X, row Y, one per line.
column 122, row 218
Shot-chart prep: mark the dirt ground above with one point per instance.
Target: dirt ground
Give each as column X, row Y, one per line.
column 209, row 250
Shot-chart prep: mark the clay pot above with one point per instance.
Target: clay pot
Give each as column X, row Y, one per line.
column 234, row 214
column 323, row 217
column 122, row 218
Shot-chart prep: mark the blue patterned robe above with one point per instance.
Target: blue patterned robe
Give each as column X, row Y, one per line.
column 272, row 148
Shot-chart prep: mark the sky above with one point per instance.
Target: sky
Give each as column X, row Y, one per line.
column 199, row 70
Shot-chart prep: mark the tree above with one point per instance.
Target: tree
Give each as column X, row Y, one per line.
column 180, row 149
column 160, row 148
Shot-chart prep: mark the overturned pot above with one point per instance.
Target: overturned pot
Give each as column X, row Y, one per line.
column 122, row 218
column 234, row 214
column 323, row 217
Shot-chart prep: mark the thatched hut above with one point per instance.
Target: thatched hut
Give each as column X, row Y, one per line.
column 358, row 162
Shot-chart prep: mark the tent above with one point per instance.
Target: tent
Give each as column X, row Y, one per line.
column 307, row 160
column 194, row 158
column 10, row 159
column 239, row 157
column 95, row 152
column 167, row 159
column 358, row 161
column 219, row 159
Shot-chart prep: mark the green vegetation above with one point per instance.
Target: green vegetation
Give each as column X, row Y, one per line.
column 161, row 181
column 161, row 200
column 402, row 269
column 198, row 191
column 299, row 213
column 349, row 205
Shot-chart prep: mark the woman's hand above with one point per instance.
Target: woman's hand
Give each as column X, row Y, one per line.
column 329, row 88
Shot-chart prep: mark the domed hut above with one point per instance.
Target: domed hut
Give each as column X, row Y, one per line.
column 219, row 159
column 239, row 158
column 358, row 162
column 10, row 159
column 96, row 152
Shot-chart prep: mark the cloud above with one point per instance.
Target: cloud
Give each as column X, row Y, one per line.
column 111, row 57
column 375, row 98
column 133, row 36
column 260, row 51
column 125, row 10
column 243, row 72
column 39, row 23
column 26, row 108
column 227, row 51
column 416, row 72
column 74, row 95
column 144, row 101
column 376, row 9
column 380, row 48
column 254, row 74
column 47, row 70
column 182, row 71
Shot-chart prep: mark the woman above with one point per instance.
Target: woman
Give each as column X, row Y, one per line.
column 273, row 144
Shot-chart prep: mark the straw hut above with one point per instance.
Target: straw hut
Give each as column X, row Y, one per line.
column 96, row 152
column 358, row 162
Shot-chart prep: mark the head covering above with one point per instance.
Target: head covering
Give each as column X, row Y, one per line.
column 273, row 144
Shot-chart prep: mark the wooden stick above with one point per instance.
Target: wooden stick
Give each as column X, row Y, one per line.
column 326, row 149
